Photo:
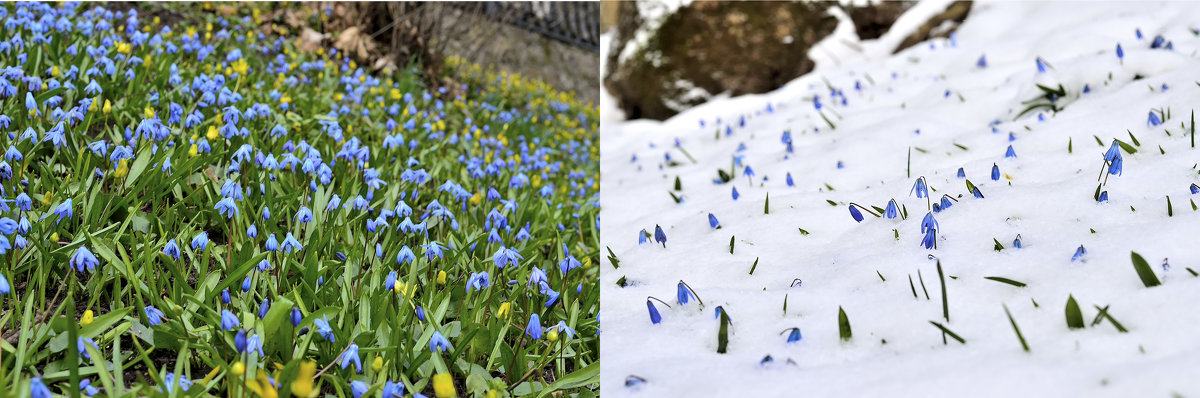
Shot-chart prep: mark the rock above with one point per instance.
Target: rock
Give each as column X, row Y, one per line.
column 941, row 25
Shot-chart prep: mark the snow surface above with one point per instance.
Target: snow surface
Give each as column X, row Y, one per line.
column 1045, row 195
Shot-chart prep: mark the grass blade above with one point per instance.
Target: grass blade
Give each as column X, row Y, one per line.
column 1005, row 280
column 1074, row 316
column 947, row 332
column 1016, row 329
column 1145, row 273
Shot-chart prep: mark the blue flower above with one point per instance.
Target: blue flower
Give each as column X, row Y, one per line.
column 1017, row 242
column 246, row 284
column 1120, row 52
column 996, row 171
column 642, row 235
column 982, row 62
column 84, row 259
column 928, row 223
column 290, row 242
column 229, row 321
column 86, row 387
column 437, row 343
column 891, row 211
column 1194, row 188
column 946, row 203
column 225, row 296
column 263, row 308
column 271, row 244
column 81, row 344
column 154, row 315
column 351, row 356
column 420, row 314
column 405, row 255
column 919, row 188
column 4, row 287
column 1010, row 153
column 252, row 231
column 655, row 317
column 534, row 329
column 323, row 328
column 794, row 336
column 171, row 379
column 304, row 215
column 735, row 193
column 200, row 241
column 683, row 294
column 1153, row 119
column 171, row 249
column 63, row 210
column 358, row 388
column 1115, row 166
column 659, row 236
column 506, row 256
column 226, row 207
column 790, row 183
column 1078, row 253
column 393, row 390
column 1041, row 65
column 1103, row 197
column 478, row 281
column 930, row 239
column 239, row 341
column 858, row 217
column 37, row 389
column 712, row 221
column 296, row 316
column 562, row 328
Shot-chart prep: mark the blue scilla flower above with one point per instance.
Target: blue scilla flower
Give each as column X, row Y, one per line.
column 506, row 256
column 8, row 226
column 432, row 249
column 5, row 288
column 789, row 180
column 290, row 243
column 1153, row 120
column 1010, row 153
column 982, row 62
column 437, row 343
column 323, row 329
column 24, row 202
column 712, row 221
column 1103, row 197
column 154, row 315
column 659, row 236
column 794, row 335
column 263, row 308
column 389, row 283
column 946, row 202
column 225, row 296
column 171, row 380
column 200, row 241
column 930, row 239
column 996, row 171
column 252, row 231
column 642, row 236
column 537, row 276
column 1041, row 65
column 1079, row 253
column 266, row 214
column 351, row 357
column 1194, row 188
column 1017, row 242
column 735, row 193
column 226, row 207
column 81, row 344
column 83, row 259
column 296, row 316
column 891, row 211
column 304, row 215
column 534, row 329
column 405, row 255
column 478, row 281
column 420, row 314
column 856, row 214
column 271, row 244
column 928, row 223
column 1120, row 52
column 64, row 210
column 246, row 284
column 358, row 388
column 683, row 294
column 37, row 389
column 229, row 321
column 1116, row 166
column 393, row 390
column 567, row 264
column 655, row 317
column 919, row 188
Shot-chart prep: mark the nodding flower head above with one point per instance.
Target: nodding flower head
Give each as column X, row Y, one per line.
column 1153, row 120
column 1120, row 52
column 1103, row 197
column 1194, row 188
column 858, row 217
column 714, row 224
column 962, row 173
column 996, row 172
column 1079, row 253
column 1041, row 65
column 982, row 62
column 1116, row 166
column 891, row 211
column 919, row 188
column 1017, row 242
column 83, row 259
column 793, row 335
column 928, row 223
column 643, row 236
column 534, row 329
column 1010, row 153
column 659, row 236
column 655, row 317
column 735, row 193
column 790, row 183
column 976, row 193
column 930, row 239
column 946, row 202
column 683, row 294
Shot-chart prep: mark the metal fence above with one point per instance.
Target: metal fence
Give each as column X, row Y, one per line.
column 573, row 23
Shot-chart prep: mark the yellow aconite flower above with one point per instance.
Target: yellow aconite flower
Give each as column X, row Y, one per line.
column 240, row 66
column 54, row 238
column 443, row 386
column 47, row 198
column 262, row 386
column 93, row 105
column 54, row 71
column 212, row 132
column 303, row 385
column 107, row 106
column 552, row 335
column 194, row 150
column 87, row 317
column 122, row 168
column 123, row 48
column 441, row 277
column 378, row 363
column 149, row 112
column 239, row 368
column 505, row 309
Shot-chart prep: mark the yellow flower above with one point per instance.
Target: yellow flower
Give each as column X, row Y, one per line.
column 93, row 105
column 54, row 71
column 88, row 316
column 441, row 278
column 194, row 150
column 123, row 48
column 303, row 385
column 239, row 368
column 262, row 386
column 443, row 386
column 149, row 112
column 212, row 132
column 47, row 198
column 122, row 168
column 505, row 309
column 552, row 335
column 378, row 363
column 54, row 238
column 107, row 106
column 400, row 288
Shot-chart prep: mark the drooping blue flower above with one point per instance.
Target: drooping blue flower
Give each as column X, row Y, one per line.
column 86, row 387
column 1116, row 165
column 37, row 389
column 226, row 207
column 1120, row 52
column 304, row 215
column 854, row 212
column 928, row 223
column 1153, row 120
column 891, row 211
column 323, row 328
column 437, row 343
column 534, row 329
column 1017, row 242
column 996, row 172
column 4, row 286
column 252, row 231
column 1103, row 197
column 405, row 255
column 794, row 335
column 930, row 239
column 393, row 390
column 683, row 294
column 154, row 315
column 296, row 316
column 225, row 296
column 1010, row 153
column 735, row 193
column 81, row 344
column 263, row 308
column 982, row 62
column 1079, row 253
column 239, row 341
column 64, row 210
column 171, row 380
column 712, row 221
column 351, row 357
column 790, row 183
column 229, row 321
column 659, row 236
column 290, row 243
column 358, row 388
column 83, row 259
column 200, row 241
column 655, row 317
column 420, row 314
column 1041, row 65
column 271, row 244
column 919, row 188
column 1194, row 188
column 945, row 203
